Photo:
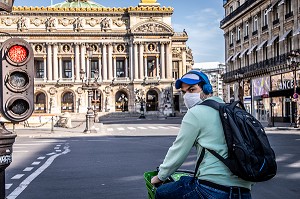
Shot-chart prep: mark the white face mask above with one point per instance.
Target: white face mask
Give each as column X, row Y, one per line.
column 191, row 99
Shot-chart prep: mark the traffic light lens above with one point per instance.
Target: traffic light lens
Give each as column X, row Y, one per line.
column 18, row 53
column 18, row 80
column 19, row 106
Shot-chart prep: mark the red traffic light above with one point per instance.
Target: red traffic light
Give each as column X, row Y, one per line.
column 18, row 53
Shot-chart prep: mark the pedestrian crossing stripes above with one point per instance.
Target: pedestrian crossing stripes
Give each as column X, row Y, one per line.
column 141, row 128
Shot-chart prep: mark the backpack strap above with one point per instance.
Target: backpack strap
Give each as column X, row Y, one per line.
column 211, row 103
column 199, row 161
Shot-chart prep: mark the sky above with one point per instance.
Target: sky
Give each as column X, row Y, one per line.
column 200, row 18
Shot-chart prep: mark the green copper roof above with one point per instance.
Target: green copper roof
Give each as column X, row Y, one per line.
column 77, row 4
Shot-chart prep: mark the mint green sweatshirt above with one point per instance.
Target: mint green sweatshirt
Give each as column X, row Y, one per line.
column 201, row 127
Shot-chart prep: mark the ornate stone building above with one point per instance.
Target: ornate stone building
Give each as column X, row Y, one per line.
column 129, row 55
column 261, row 38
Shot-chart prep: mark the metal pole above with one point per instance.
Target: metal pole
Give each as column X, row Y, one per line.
column 52, row 124
column 296, row 98
column 2, row 184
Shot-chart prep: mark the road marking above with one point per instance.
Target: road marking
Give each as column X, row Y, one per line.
column 35, row 163
column 28, row 168
column 140, row 127
column 56, row 148
column 131, row 128
column 152, row 127
column 51, row 153
column 162, row 127
column 18, row 176
column 110, row 129
column 28, row 144
column 121, row 129
column 20, row 151
column 23, row 185
column 41, row 158
column 7, row 186
column 174, row 127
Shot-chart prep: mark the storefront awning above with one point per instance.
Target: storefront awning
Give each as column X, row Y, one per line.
column 243, row 52
column 296, row 32
column 235, row 56
column 251, row 49
column 284, row 35
column 270, row 42
column 229, row 58
column 261, row 45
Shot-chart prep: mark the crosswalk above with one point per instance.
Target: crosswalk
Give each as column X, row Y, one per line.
column 141, row 128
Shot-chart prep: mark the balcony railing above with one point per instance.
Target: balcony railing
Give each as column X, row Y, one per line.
column 288, row 15
column 264, row 28
column 275, row 22
column 240, row 9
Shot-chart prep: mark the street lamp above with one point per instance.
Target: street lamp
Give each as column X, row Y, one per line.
column 239, row 76
column 89, row 86
column 293, row 60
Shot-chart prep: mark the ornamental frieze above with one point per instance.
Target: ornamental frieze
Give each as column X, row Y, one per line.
column 9, row 21
column 152, row 27
column 92, row 22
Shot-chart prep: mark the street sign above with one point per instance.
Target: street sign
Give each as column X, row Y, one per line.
column 17, row 80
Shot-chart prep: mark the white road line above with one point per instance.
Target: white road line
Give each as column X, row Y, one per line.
column 41, row 158
column 51, row 153
column 30, row 178
column 27, row 144
column 28, row 168
column 152, row 127
column 18, row 176
column 162, row 127
column 56, row 148
column 131, row 128
column 35, row 163
column 7, row 186
column 20, row 151
column 121, row 129
column 173, row 127
column 110, row 129
column 140, row 127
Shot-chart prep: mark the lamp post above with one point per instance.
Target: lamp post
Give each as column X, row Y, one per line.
column 89, row 86
column 293, row 61
column 239, row 77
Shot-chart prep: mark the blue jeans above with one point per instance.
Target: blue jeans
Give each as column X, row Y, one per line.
column 188, row 187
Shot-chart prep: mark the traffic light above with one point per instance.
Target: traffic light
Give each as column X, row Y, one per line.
column 17, row 80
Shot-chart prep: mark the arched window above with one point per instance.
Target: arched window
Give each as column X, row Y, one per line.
column 121, row 101
column 151, row 101
column 40, row 103
column 67, row 102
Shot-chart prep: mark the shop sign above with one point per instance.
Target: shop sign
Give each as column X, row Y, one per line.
column 286, row 84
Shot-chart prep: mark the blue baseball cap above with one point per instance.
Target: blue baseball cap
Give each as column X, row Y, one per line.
column 189, row 78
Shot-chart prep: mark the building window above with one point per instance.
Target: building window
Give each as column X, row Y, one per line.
column 238, row 3
column 265, row 52
column 151, row 68
column 275, row 13
column 255, row 23
column 230, row 9
column 39, row 69
column 67, row 102
column 94, row 68
column 238, row 34
column 265, row 22
column 231, row 37
column 289, row 42
column 175, row 69
column 67, row 69
column 120, row 68
column 288, row 6
column 246, row 28
column 40, row 103
column 276, row 48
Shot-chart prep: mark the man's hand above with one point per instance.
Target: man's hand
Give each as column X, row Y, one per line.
column 156, row 181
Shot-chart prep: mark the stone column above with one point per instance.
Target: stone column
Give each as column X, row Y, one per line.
column 60, row 68
column 183, row 54
column 162, row 60
column 73, row 68
column 110, row 66
column 136, row 63
column 157, row 66
column 100, row 68
column 55, row 62
column 82, row 56
column 130, row 61
column 126, row 67
column 77, row 65
column 49, row 62
column 114, row 66
column 141, row 65
column 145, row 66
column 169, row 61
column 45, row 68
column 104, row 61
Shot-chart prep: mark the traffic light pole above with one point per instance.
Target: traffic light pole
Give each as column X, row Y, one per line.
column 7, row 139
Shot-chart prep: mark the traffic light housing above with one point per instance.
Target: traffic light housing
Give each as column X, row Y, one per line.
column 17, row 80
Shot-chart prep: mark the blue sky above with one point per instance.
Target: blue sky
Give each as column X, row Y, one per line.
column 200, row 18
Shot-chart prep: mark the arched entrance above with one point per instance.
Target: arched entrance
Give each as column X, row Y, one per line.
column 40, row 103
column 67, row 102
column 152, row 100
column 96, row 100
column 121, row 101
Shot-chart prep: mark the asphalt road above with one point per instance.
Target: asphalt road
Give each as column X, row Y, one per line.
column 112, row 167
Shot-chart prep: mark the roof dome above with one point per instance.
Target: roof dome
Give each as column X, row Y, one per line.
column 77, row 4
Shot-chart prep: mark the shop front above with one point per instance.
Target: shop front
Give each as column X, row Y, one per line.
column 283, row 103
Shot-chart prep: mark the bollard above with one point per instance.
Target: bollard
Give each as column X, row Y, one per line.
column 52, row 124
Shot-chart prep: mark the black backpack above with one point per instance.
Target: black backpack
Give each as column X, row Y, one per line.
column 250, row 155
